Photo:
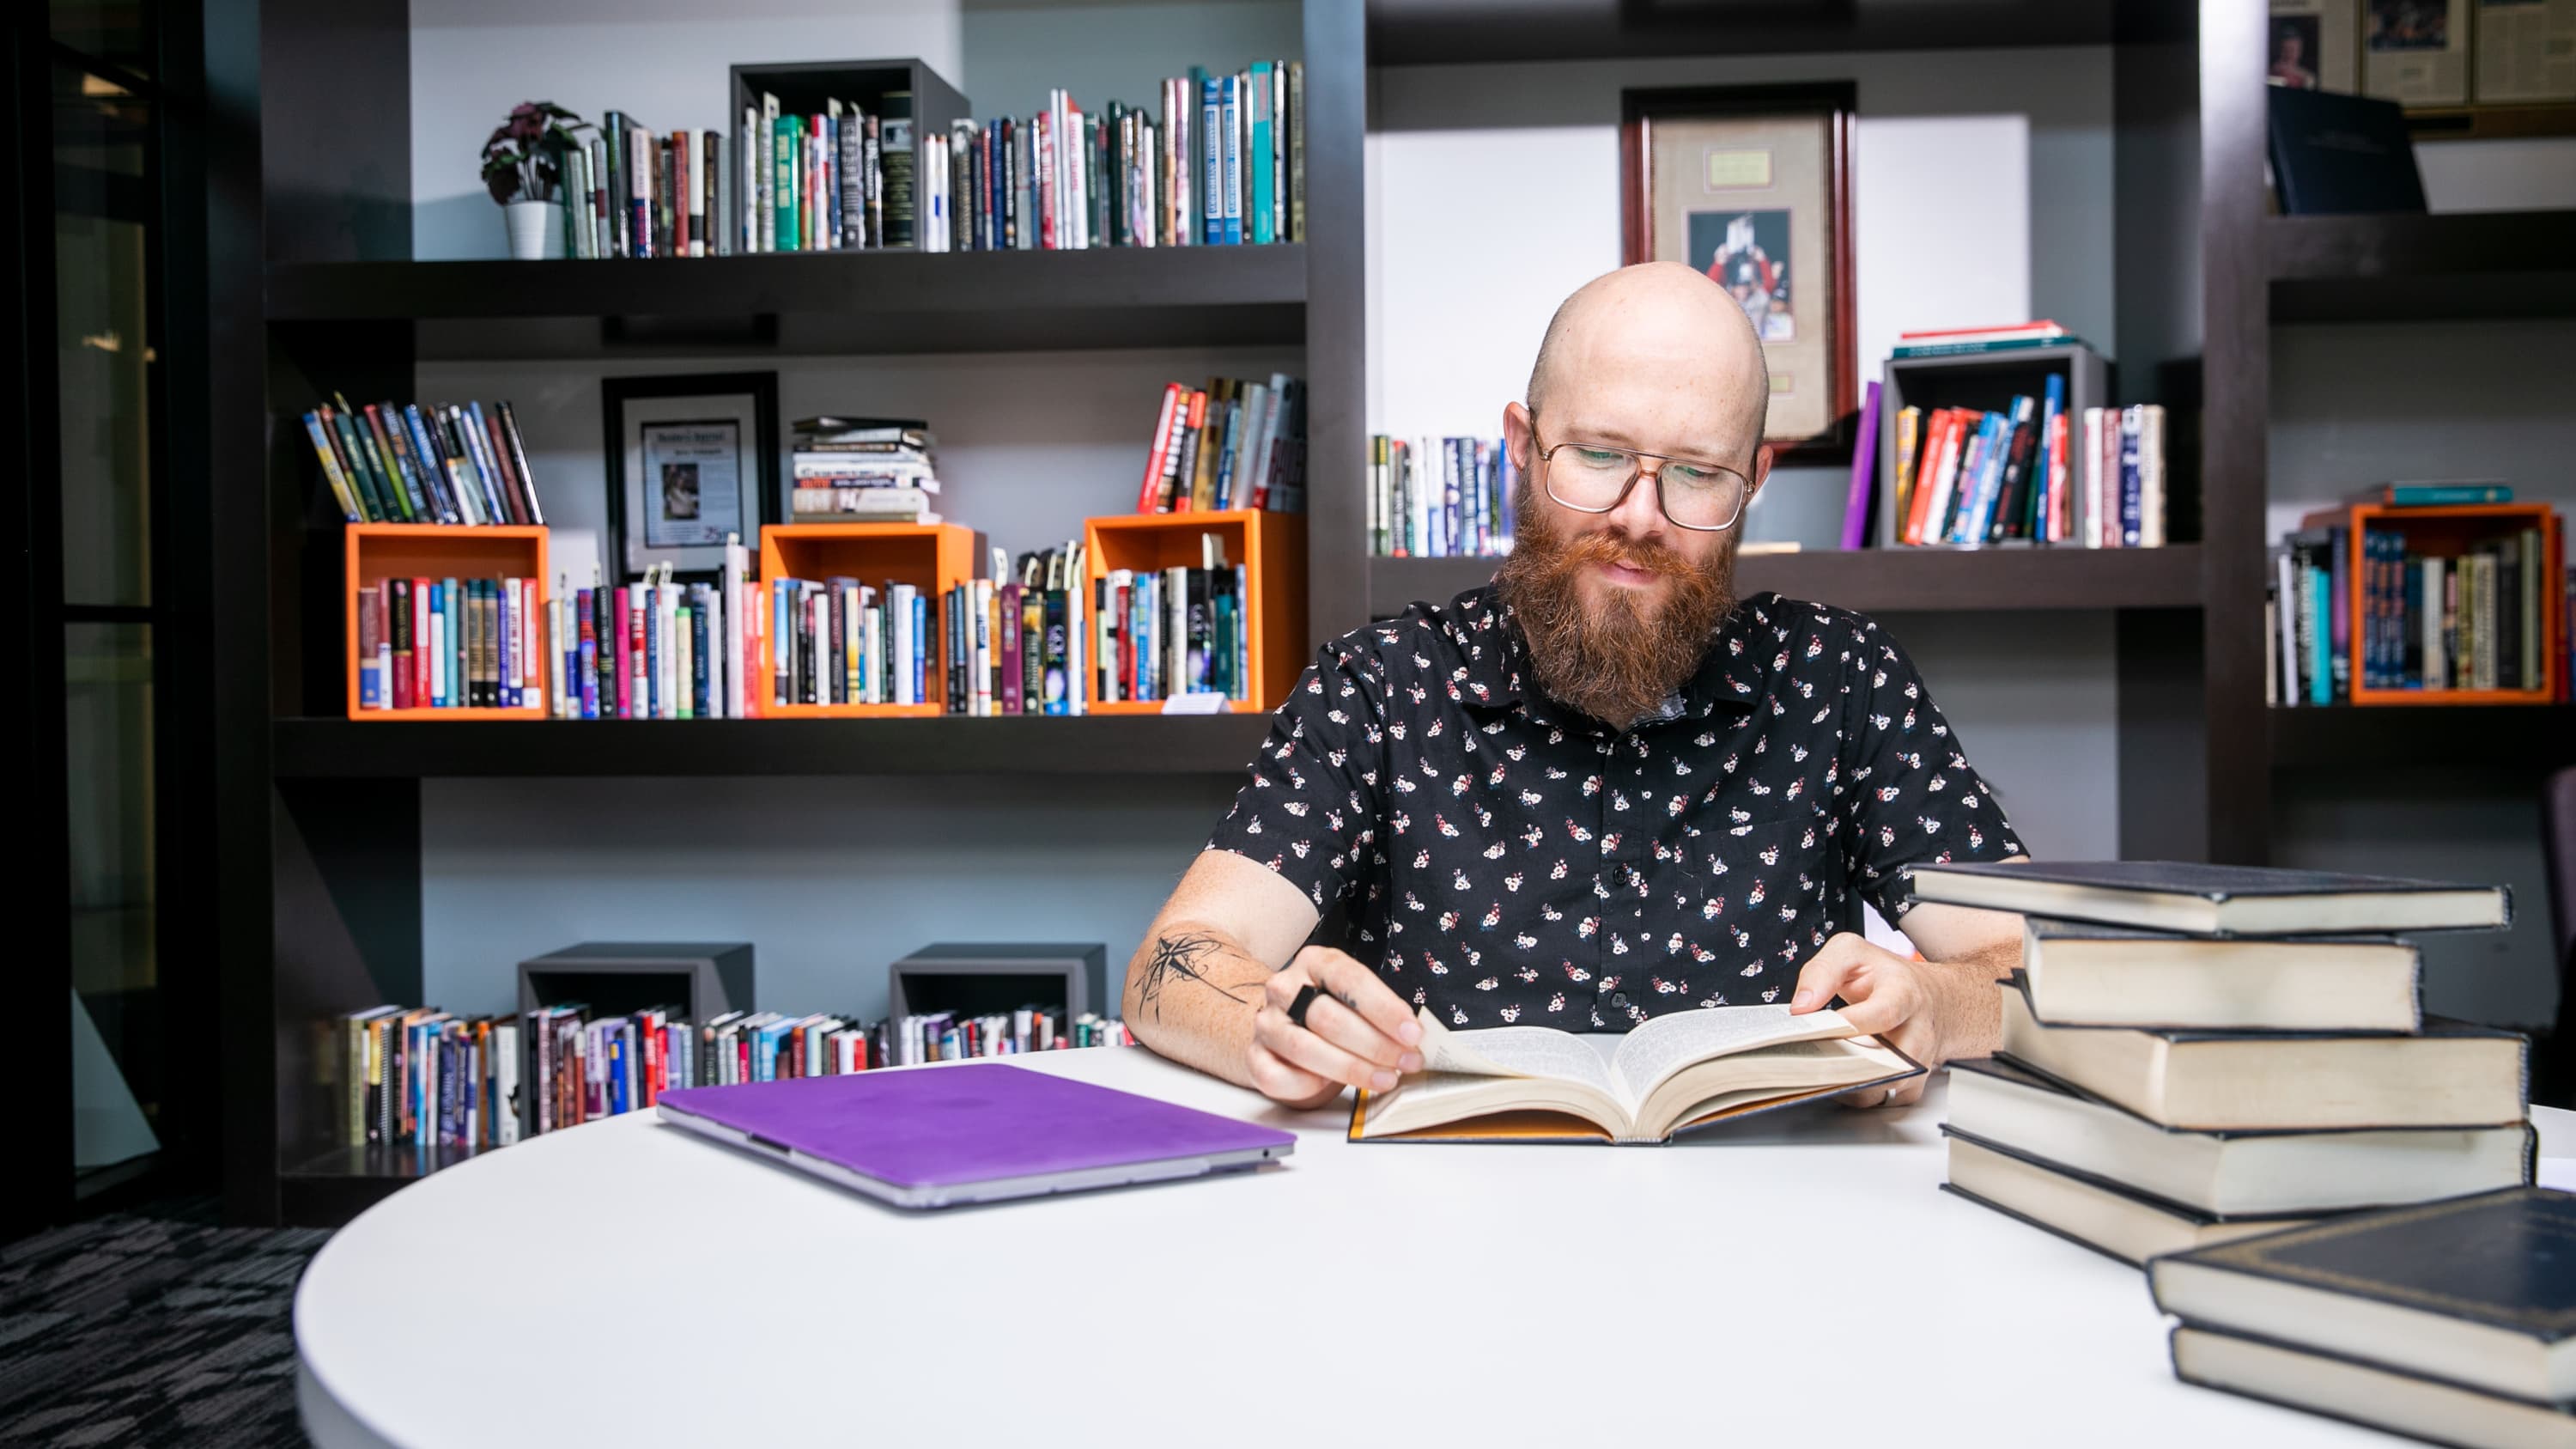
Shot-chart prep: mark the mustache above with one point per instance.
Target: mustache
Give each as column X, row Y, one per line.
column 1643, row 554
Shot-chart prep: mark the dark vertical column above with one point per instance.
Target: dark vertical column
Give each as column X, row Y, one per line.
column 1336, row 317
column 346, row 863
column 336, row 149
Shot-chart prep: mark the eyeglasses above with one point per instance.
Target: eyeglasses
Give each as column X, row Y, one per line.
column 1595, row 478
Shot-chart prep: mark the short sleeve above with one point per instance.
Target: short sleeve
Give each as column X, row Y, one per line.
column 1309, row 811
column 1911, row 797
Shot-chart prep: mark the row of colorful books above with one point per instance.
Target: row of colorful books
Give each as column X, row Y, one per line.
column 2491, row 614
column 444, row 463
column 1440, row 497
column 1231, row 444
column 2032, row 474
column 1175, row 631
column 2213, row 1070
column 634, row 192
column 1219, row 161
column 421, row 1077
column 451, row 644
column 864, row 470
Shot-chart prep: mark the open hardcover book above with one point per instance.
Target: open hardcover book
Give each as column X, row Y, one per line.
column 1688, row 1069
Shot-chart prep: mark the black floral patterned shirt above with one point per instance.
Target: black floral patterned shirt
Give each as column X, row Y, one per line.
column 1508, row 859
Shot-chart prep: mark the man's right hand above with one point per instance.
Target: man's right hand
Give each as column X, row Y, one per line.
column 1358, row 1034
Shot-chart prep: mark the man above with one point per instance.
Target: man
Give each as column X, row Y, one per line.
column 1601, row 788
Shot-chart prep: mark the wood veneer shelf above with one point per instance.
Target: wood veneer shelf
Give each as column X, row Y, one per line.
column 317, row 748
column 2517, row 738
column 2494, row 264
column 1454, row 32
column 826, row 302
column 1892, row 580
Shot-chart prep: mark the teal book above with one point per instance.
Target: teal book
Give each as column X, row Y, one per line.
column 1257, row 219
column 787, row 141
column 2435, row 495
column 1973, row 349
column 2475, row 1292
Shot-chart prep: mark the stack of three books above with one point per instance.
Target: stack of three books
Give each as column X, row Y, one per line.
column 2212, row 1067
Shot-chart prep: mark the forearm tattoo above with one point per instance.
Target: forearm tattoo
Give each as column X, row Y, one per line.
column 1180, row 958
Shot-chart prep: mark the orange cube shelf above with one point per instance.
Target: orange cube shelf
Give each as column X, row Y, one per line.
column 1272, row 549
column 931, row 557
column 2448, row 532
column 380, row 551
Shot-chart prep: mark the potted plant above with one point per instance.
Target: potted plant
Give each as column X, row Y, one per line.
column 523, row 169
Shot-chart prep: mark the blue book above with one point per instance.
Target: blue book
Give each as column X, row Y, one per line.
column 1211, row 158
column 1992, row 433
column 2044, row 479
column 1257, row 106
column 650, row 706
column 431, row 473
column 1231, row 142
column 2321, row 657
column 2474, row 1294
column 920, row 648
column 2435, row 495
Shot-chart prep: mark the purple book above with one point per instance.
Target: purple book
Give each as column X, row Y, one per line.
column 1864, row 457
column 975, row 1132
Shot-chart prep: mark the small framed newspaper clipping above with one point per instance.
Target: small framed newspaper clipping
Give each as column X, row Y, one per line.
column 1752, row 185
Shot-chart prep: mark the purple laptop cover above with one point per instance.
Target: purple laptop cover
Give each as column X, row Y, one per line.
column 974, row 1122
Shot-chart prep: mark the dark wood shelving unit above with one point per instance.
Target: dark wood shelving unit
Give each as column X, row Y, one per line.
column 1892, row 580
column 323, row 749
column 2511, row 738
column 2421, row 268
column 1455, row 32
column 836, row 303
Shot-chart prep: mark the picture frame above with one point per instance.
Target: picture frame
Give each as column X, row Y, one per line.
column 691, row 457
column 1756, row 181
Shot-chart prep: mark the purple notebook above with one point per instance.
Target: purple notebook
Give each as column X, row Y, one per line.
column 975, row 1132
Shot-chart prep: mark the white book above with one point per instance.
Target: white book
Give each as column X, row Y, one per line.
column 853, row 645
column 747, row 189
column 1232, row 121
column 683, row 659
column 2285, row 580
column 719, row 659
column 1077, row 640
column 981, row 597
column 2151, row 477
column 736, row 566
column 871, row 648
column 506, row 1106
column 2437, row 670
column 768, row 172
column 901, row 603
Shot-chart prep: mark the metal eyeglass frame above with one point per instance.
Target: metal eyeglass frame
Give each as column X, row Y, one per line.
column 1637, row 472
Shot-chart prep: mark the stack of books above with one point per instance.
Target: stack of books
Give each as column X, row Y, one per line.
column 636, row 192
column 1175, row 631
column 864, row 470
column 1231, row 444
column 421, row 1078
column 1220, row 161
column 1440, row 497
column 2193, row 1054
column 2448, row 1322
column 443, row 463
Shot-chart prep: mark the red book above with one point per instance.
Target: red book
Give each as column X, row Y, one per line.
column 1158, row 458
column 1992, row 329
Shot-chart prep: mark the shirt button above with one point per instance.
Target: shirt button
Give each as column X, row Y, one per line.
column 1618, row 998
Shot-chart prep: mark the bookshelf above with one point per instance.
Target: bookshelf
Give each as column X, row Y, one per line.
column 379, row 551
column 1272, row 549
column 930, row 557
column 2421, row 268
column 2508, row 739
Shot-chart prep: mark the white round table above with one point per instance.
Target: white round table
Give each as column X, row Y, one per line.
column 1795, row 1279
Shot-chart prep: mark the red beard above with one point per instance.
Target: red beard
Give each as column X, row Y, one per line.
column 1620, row 659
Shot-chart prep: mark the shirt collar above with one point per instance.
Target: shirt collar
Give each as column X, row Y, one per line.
column 1493, row 664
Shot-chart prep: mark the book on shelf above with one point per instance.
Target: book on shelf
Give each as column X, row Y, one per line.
column 632, row 191
column 2446, row 1074
column 2450, row 1320
column 2031, row 473
column 421, row 1077
column 2333, row 153
column 2080, row 974
column 864, row 470
column 2164, row 895
column 2230, row 1174
column 1441, row 497
column 1174, row 631
column 445, row 463
column 1976, row 341
column 1682, row 1070
column 2436, row 493
column 451, row 643
column 2098, row 1212
column 1864, row 471
column 1121, row 175
column 2470, row 603
column 659, row 648
column 1235, row 443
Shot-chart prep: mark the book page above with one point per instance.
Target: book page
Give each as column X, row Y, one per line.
column 1667, row 1044
column 1517, row 1051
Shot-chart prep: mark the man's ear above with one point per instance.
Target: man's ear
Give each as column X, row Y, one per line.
column 1761, row 469
column 1520, row 431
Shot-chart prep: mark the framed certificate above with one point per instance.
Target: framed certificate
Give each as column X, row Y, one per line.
column 691, row 460
column 1752, row 185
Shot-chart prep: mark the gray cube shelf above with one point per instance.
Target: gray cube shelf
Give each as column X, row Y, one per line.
column 706, row 979
column 1988, row 382
column 978, row 978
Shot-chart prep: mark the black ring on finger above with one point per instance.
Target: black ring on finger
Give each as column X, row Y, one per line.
column 1306, row 996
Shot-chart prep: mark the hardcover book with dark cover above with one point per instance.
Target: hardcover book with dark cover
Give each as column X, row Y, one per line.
column 2335, row 154
column 2215, row 900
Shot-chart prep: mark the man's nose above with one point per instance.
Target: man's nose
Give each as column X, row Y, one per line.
column 1641, row 513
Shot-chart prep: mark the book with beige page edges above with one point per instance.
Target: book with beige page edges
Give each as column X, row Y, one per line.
column 1674, row 1073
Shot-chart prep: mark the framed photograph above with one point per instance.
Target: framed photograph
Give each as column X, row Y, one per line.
column 2311, row 46
column 2416, row 52
column 690, row 460
column 1752, row 185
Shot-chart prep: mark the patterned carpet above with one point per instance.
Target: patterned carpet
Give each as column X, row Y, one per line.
column 151, row 1328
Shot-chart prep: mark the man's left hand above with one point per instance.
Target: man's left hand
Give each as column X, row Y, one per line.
column 1930, row 1011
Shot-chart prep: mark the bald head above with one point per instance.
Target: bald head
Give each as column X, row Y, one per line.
column 1662, row 334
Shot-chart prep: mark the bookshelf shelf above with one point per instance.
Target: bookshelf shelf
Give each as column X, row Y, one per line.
column 1449, row 32
column 2421, row 268
column 2517, row 738
column 1894, row 580
column 836, row 303
column 321, row 748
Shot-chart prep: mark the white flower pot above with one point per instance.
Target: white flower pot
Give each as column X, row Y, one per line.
column 536, row 229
